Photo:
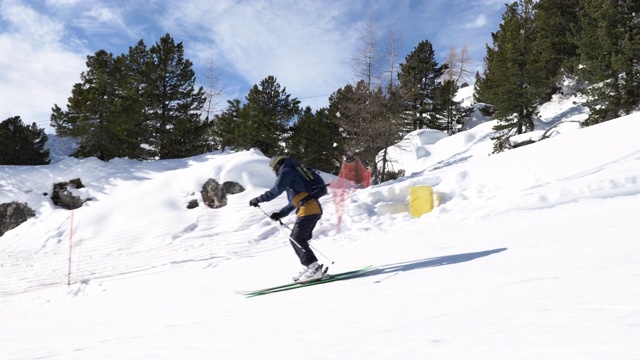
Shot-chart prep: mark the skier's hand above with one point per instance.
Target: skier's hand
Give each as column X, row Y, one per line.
column 254, row 202
column 276, row 216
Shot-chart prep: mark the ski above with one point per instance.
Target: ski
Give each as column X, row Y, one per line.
column 295, row 285
column 326, row 279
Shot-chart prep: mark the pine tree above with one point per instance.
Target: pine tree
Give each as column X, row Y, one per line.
column 512, row 81
column 365, row 121
column 609, row 48
column 557, row 25
column 226, row 125
column 388, row 133
column 629, row 60
column 314, row 141
column 453, row 112
column 22, row 144
column 173, row 103
column 266, row 116
column 93, row 108
column 140, row 105
column 139, row 68
column 348, row 108
column 419, row 80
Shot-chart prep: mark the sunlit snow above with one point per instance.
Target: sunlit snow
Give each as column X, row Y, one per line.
column 532, row 254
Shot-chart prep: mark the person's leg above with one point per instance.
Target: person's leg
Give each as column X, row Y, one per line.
column 301, row 233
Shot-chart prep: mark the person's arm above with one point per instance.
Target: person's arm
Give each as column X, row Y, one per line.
column 282, row 182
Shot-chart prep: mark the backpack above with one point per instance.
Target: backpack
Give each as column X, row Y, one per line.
column 314, row 183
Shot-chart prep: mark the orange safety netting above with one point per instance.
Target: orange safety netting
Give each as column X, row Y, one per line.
column 352, row 176
column 356, row 173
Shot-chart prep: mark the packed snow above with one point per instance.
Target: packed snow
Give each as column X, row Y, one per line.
column 532, row 254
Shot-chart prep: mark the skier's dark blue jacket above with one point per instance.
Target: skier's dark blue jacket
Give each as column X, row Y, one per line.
column 290, row 180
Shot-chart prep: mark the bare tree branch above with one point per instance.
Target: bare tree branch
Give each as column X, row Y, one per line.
column 459, row 64
column 213, row 90
column 367, row 56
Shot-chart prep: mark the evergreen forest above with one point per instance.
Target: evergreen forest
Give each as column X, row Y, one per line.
column 144, row 104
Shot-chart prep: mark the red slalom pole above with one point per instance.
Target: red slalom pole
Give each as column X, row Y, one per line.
column 70, row 250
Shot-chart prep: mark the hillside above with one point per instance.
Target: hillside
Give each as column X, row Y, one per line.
column 533, row 254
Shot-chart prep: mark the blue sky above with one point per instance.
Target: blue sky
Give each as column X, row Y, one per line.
column 307, row 44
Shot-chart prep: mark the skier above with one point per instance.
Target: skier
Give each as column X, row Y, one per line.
column 308, row 212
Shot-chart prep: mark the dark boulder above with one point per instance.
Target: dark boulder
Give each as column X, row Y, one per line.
column 62, row 196
column 214, row 195
column 13, row 214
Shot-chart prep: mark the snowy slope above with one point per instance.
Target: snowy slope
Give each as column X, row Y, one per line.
column 533, row 254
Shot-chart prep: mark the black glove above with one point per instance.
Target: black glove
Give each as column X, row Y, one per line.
column 276, row 216
column 254, row 202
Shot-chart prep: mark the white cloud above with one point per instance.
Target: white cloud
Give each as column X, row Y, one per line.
column 28, row 24
column 62, row 2
column 103, row 14
column 306, row 45
column 99, row 19
column 479, row 21
column 37, row 71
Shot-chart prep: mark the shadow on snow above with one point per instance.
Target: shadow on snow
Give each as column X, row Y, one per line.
column 394, row 269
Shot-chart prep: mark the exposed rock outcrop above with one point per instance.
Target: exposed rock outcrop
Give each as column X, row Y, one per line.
column 214, row 195
column 13, row 214
column 63, row 197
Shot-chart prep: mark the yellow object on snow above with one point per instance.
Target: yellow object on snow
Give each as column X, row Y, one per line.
column 421, row 200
